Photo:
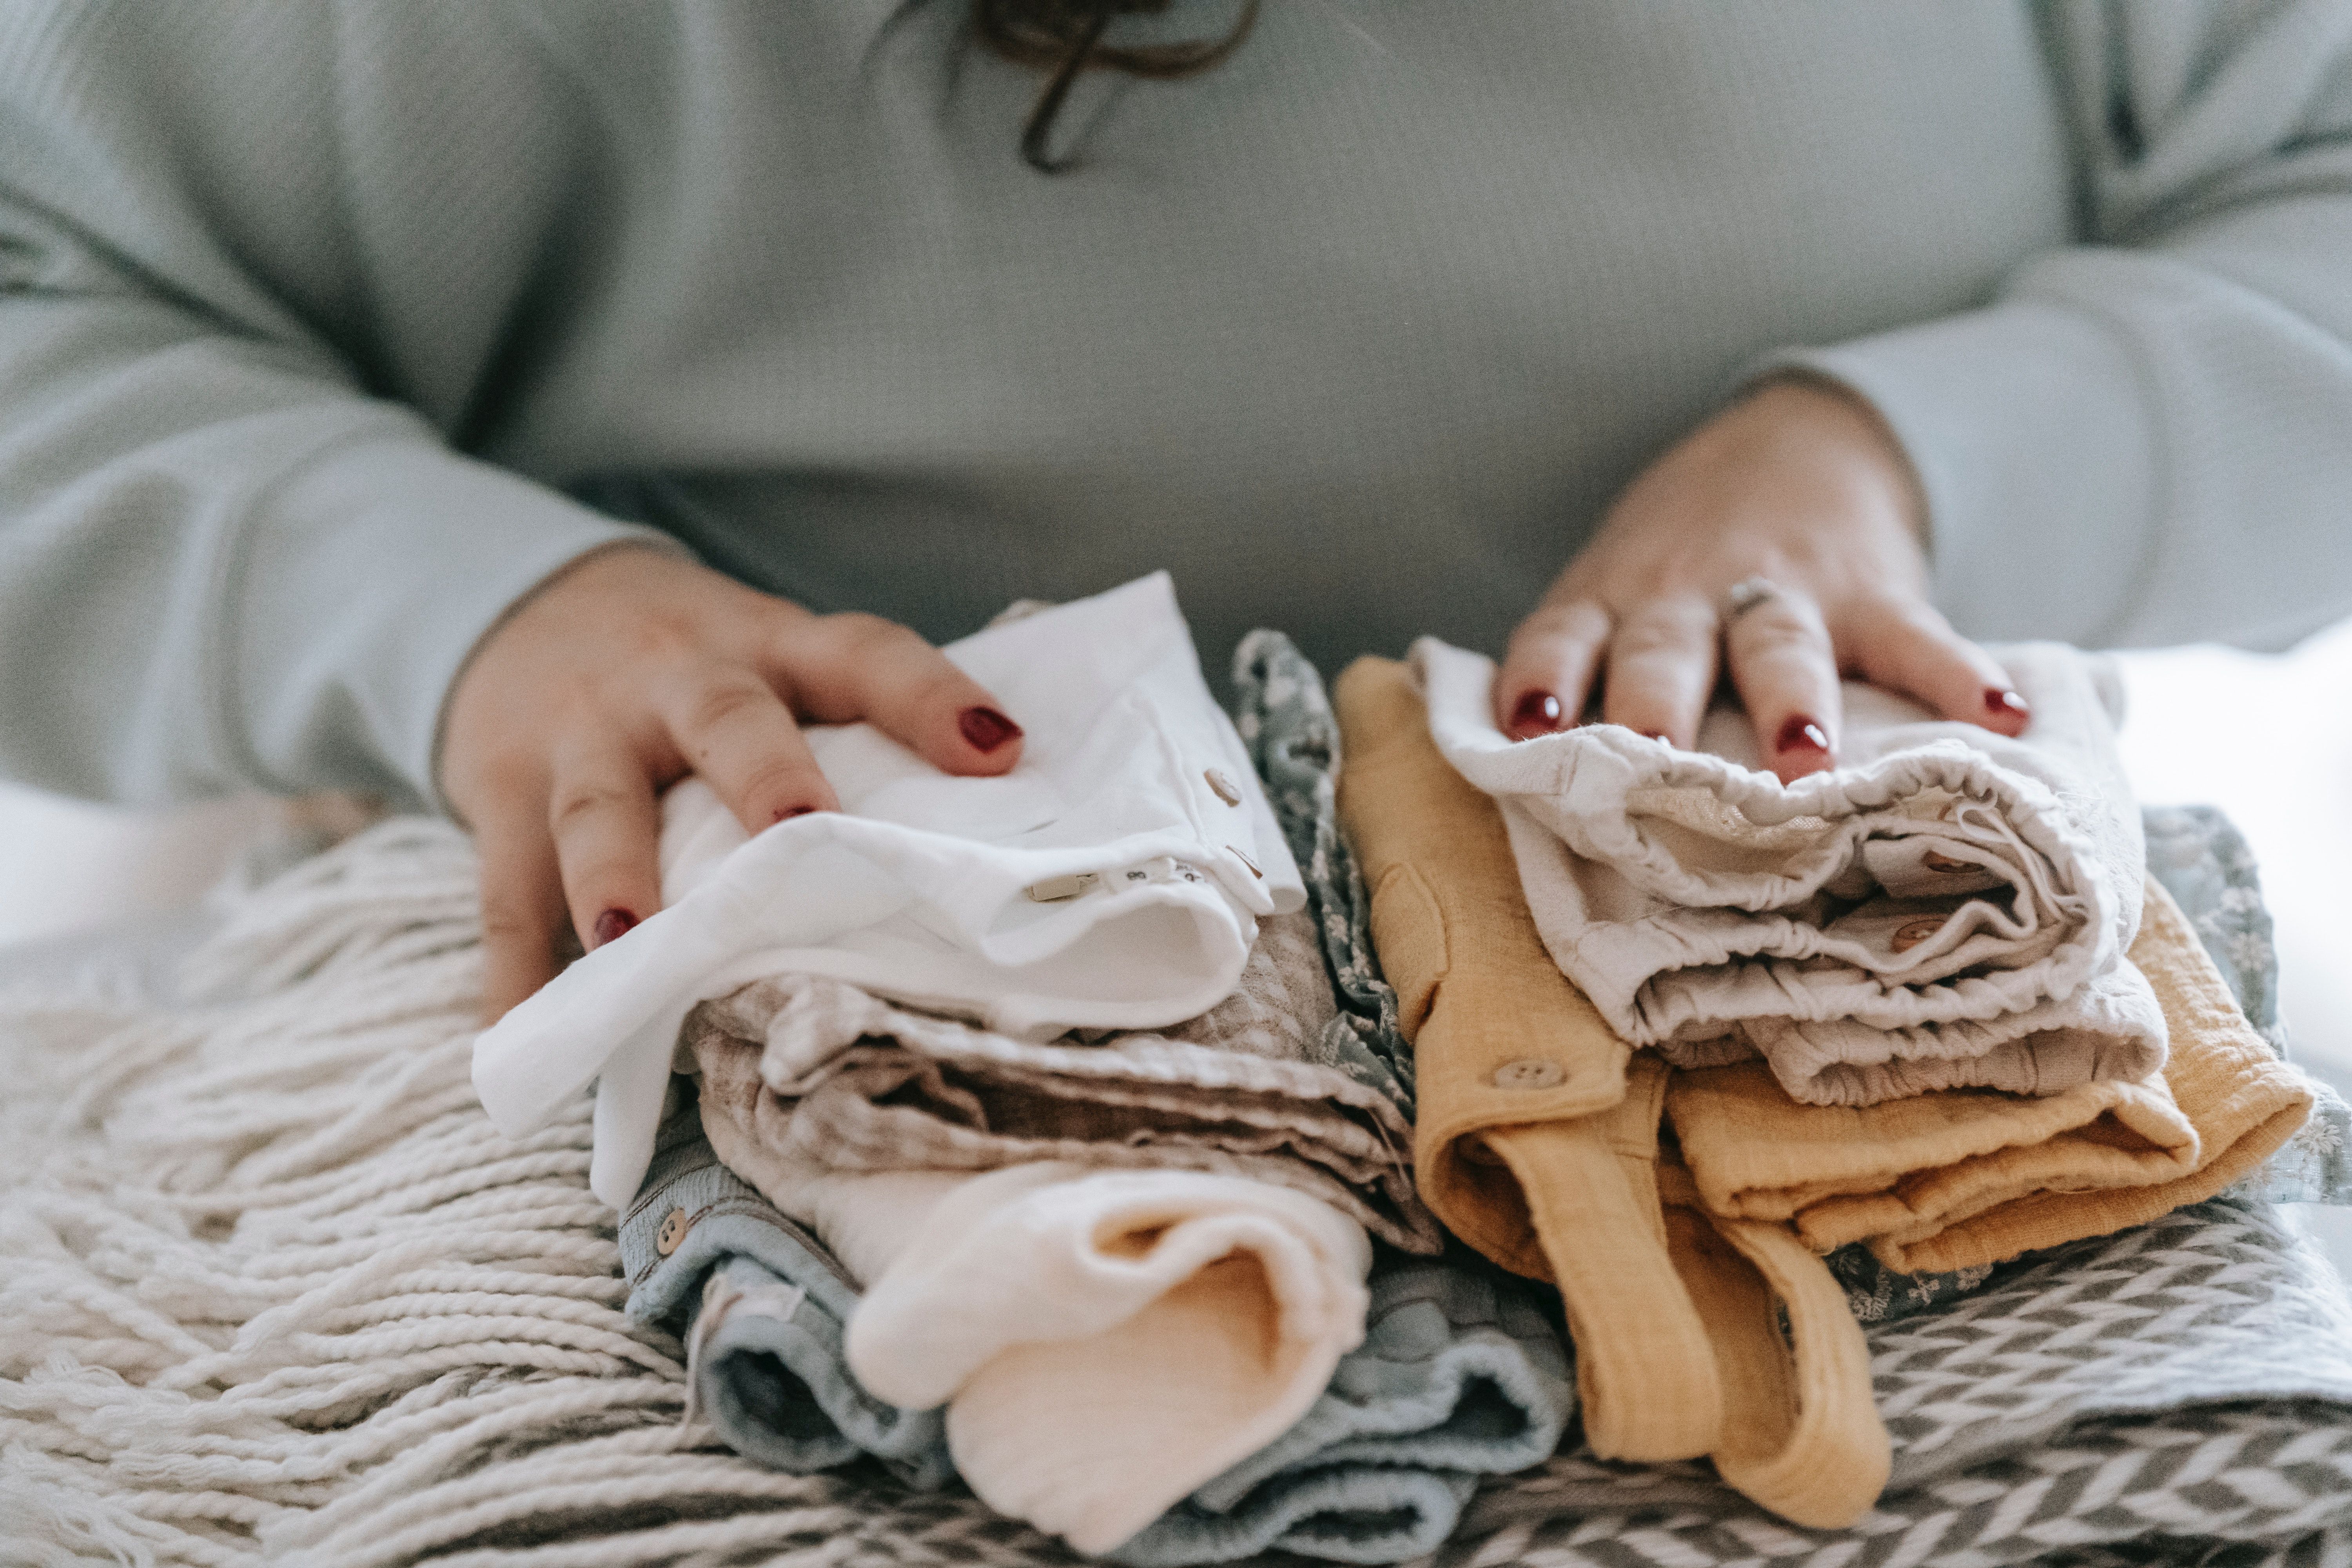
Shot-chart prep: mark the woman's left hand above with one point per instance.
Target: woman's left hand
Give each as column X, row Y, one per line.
column 1799, row 491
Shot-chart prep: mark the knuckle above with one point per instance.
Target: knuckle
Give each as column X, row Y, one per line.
column 1784, row 637
column 1651, row 635
column 857, row 638
column 508, row 923
column 575, row 805
column 724, row 698
column 780, row 782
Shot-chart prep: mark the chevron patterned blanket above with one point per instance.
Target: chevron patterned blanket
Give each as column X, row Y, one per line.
column 2176, row 1394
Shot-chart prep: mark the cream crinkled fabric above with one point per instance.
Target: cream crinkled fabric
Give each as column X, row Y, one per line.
column 1113, row 880
column 1947, row 909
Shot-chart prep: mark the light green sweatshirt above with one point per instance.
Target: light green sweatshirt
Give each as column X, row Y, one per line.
column 328, row 328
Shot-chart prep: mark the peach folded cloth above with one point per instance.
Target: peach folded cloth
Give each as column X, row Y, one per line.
column 1537, row 1142
column 1949, row 907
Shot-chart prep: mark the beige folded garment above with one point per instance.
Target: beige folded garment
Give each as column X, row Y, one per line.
column 1965, row 1178
column 1947, row 909
column 827, row 1073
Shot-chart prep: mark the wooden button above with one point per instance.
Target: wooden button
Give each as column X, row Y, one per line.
column 1911, row 933
column 674, row 1226
column 1528, row 1072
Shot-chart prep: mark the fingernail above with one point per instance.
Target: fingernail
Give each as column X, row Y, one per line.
column 612, row 926
column 787, row 812
column 1803, row 733
column 2000, row 700
column 986, row 728
column 1536, row 714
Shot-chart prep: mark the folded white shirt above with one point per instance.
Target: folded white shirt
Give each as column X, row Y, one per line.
column 1946, row 907
column 1113, row 879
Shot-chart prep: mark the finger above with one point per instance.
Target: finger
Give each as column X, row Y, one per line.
column 522, row 904
column 1786, row 671
column 733, row 730
column 607, row 834
column 1910, row 647
column 841, row 668
column 1660, row 668
column 1548, row 670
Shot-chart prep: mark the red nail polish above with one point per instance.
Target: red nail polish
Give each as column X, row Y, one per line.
column 612, row 926
column 1803, row 733
column 2000, row 700
column 1537, row 713
column 986, row 728
column 787, row 812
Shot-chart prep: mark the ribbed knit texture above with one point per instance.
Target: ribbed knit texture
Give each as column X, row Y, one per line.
column 1356, row 333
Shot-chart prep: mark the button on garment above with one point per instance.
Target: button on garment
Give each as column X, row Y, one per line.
column 1528, row 1072
column 920, row 888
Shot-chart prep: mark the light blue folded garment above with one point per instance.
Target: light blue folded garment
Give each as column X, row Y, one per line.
column 1459, row 1375
column 762, row 1306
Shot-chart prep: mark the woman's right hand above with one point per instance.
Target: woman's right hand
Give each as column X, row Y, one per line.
column 625, row 672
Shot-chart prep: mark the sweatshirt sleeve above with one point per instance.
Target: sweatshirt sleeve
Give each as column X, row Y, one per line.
column 2147, row 437
column 238, row 547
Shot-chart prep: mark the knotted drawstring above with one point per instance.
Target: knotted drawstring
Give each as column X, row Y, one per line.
column 1066, row 36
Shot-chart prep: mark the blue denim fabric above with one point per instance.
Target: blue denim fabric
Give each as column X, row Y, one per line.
column 771, row 1377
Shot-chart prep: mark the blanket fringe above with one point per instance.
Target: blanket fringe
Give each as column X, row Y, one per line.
column 277, row 1292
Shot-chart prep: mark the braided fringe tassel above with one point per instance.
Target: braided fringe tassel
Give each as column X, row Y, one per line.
column 272, row 1288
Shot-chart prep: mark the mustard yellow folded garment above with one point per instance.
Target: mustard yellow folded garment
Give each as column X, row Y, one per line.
column 1902, row 1171
column 1963, row 1178
column 1537, row 1142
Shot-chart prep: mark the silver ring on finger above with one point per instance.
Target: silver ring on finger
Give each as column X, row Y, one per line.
column 1746, row 595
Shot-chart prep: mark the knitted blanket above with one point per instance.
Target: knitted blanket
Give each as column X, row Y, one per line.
column 273, row 1290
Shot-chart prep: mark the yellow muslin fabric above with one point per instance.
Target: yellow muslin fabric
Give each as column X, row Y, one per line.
column 1900, row 1172
column 1537, row 1142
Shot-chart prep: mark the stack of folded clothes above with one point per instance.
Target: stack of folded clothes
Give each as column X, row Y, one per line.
column 1029, row 1141
column 1065, row 1135
column 1915, row 1004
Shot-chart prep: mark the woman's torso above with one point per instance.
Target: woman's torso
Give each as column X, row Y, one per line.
column 1356, row 334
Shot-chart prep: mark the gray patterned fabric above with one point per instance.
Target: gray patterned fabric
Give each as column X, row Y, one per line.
column 2178, row 1392
column 2208, row 867
column 1285, row 721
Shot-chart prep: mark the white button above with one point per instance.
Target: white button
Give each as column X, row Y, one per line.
column 1227, row 791
column 1246, row 861
column 1528, row 1072
column 1054, row 890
